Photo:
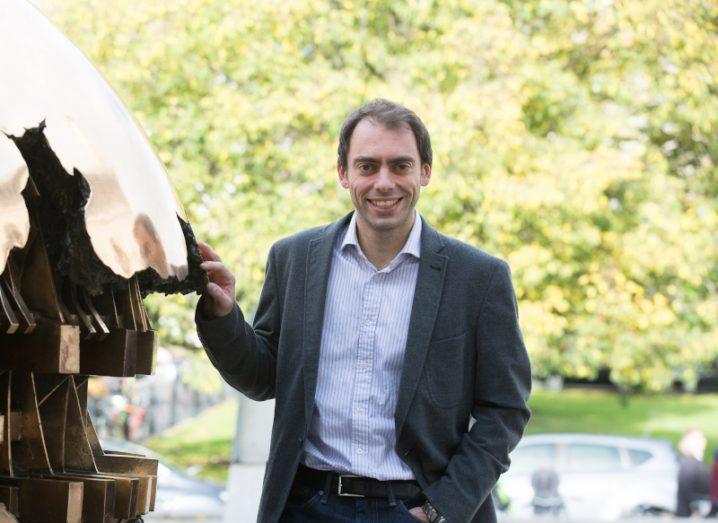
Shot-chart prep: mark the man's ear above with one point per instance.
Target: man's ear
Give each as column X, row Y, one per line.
column 425, row 174
column 343, row 180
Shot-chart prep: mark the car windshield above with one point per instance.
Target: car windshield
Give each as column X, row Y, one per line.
column 592, row 458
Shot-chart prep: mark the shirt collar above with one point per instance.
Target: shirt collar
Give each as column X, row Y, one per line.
column 411, row 247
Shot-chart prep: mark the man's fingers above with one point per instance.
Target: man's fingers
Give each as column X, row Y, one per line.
column 207, row 253
column 217, row 272
column 216, row 293
column 220, row 288
column 213, row 266
column 222, row 304
column 418, row 514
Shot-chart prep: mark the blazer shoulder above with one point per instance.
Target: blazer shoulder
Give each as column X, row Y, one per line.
column 469, row 253
column 298, row 242
column 475, row 262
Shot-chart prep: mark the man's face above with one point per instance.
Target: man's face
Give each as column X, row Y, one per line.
column 384, row 176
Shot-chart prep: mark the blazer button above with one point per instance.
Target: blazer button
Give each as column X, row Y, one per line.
column 407, row 452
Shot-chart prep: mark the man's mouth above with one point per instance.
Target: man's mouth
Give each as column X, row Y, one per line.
column 384, row 204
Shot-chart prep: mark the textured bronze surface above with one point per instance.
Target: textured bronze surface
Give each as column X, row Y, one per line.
column 131, row 214
column 50, row 349
column 61, row 499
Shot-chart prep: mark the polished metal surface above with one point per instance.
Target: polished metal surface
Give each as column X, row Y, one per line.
column 14, row 219
column 131, row 215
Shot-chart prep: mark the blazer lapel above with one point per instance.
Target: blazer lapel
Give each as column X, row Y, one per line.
column 319, row 259
column 429, row 285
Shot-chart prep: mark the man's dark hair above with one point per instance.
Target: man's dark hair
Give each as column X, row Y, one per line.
column 392, row 116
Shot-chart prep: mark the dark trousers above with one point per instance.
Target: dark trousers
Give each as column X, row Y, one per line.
column 335, row 509
column 314, row 498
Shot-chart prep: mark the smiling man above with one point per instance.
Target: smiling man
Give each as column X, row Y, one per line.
column 380, row 339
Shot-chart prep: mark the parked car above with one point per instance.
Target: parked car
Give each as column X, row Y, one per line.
column 179, row 495
column 600, row 478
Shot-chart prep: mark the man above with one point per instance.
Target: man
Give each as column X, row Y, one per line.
column 380, row 339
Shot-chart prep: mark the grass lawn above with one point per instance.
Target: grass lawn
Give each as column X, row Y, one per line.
column 203, row 443
column 657, row 416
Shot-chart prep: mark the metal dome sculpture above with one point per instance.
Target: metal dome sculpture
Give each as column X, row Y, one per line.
column 89, row 223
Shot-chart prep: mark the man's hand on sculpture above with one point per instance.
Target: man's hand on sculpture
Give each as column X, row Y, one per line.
column 219, row 294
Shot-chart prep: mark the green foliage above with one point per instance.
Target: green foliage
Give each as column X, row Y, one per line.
column 575, row 139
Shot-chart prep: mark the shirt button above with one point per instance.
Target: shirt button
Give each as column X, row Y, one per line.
column 359, row 450
column 376, row 278
column 367, row 323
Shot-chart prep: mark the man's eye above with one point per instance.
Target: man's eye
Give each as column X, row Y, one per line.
column 403, row 167
column 365, row 167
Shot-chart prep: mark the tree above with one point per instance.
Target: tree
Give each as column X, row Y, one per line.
column 575, row 139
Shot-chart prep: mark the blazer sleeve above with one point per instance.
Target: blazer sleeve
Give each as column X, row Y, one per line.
column 501, row 389
column 246, row 355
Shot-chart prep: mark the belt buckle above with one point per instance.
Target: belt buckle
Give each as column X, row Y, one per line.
column 346, row 494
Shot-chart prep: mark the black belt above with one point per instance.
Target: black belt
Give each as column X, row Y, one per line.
column 355, row 486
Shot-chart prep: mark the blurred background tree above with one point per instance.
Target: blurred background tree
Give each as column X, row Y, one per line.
column 577, row 140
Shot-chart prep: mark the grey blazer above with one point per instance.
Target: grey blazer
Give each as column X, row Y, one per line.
column 465, row 358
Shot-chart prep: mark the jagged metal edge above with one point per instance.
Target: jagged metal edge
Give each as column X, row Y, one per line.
column 61, row 210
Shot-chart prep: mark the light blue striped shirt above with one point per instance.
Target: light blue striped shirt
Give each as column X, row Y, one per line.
column 366, row 323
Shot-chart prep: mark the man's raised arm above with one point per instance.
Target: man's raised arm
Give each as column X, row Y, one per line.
column 244, row 355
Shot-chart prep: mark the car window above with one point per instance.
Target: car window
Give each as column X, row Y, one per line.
column 592, row 458
column 637, row 457
column 527, row 458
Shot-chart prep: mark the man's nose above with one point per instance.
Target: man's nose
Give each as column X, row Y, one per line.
column 384, row 181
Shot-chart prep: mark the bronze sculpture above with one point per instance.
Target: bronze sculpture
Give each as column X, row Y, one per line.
column 89, row 223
